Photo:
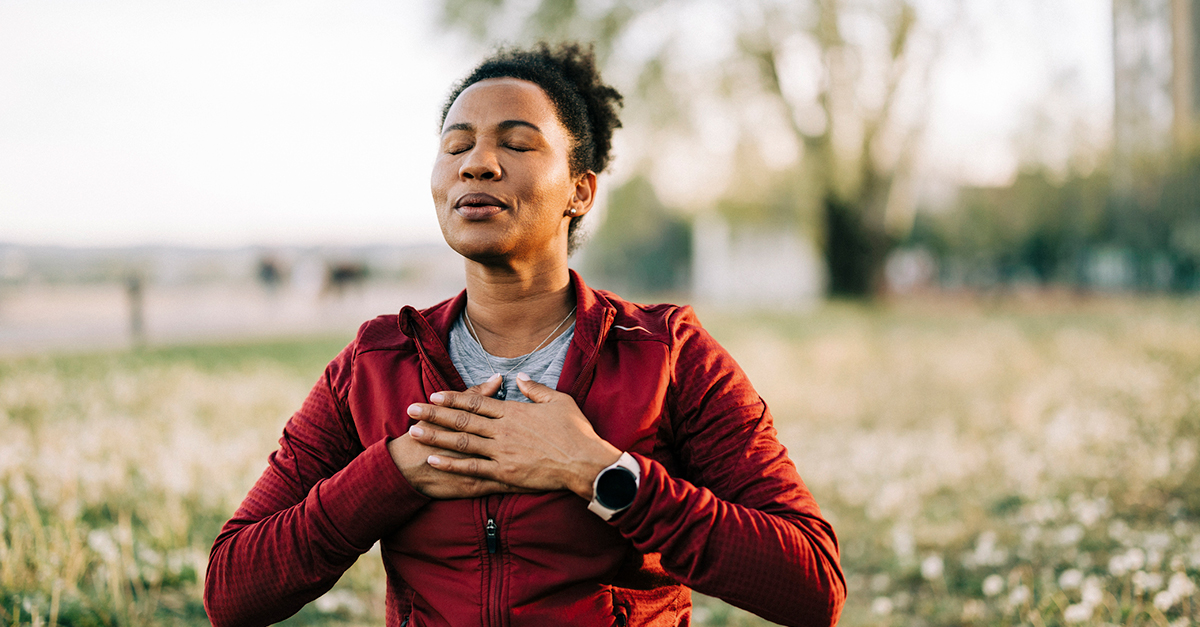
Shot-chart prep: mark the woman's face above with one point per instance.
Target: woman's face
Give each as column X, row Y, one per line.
column 501, row 183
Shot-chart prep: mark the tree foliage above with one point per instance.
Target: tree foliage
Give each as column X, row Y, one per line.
column 1049, row 230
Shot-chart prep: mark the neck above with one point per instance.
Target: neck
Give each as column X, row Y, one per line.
column 512, row 310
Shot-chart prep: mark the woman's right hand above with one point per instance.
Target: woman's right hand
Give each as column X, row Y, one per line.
column 410, row 457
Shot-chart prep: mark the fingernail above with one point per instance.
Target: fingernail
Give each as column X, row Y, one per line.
column 417, row 431
column 436, row 397
column 433, row 460
column 493, row 377
column 522, row 376
column 414, row 410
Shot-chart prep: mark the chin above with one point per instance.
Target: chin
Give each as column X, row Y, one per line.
column 485, row 252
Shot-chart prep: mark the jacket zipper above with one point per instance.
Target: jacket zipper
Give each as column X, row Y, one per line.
column 495, row 560
column 493, row 535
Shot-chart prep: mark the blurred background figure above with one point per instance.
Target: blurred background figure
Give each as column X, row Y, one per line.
column 272, row 272
column 341, row 276
column 137, row 308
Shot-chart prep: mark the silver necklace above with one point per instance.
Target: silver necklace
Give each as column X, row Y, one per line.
column 500, row 395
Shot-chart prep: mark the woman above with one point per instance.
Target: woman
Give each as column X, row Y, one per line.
column 605, row 455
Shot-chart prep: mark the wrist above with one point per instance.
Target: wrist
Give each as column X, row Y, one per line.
column 585, row 476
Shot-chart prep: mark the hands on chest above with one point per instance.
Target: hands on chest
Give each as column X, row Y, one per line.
column 467, row 444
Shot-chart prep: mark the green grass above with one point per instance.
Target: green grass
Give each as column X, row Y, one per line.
column 989, row 462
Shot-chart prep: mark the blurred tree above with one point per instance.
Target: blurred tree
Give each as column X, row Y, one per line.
column 640, row 243
column 837, row 87
column 1038, row 230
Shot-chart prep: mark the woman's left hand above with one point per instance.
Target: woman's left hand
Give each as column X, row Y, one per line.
column 544, row 445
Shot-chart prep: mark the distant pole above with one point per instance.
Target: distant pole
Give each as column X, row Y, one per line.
column 137, row 305
column 1183, row 97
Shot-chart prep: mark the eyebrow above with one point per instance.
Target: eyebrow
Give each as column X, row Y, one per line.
column 504, row 126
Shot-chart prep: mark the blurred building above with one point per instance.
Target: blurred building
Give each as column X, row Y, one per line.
column 754, row 267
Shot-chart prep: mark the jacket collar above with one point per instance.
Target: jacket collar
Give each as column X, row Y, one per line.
column 430, row 329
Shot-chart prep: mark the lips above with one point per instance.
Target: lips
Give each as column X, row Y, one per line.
column 479, row 206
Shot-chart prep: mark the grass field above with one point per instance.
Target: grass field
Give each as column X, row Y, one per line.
column 991, row 463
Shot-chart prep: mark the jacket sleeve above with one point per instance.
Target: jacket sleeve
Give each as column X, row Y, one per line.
column 322, row 501
column 742, row 527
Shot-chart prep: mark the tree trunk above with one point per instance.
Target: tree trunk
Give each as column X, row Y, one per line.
column 854, row 251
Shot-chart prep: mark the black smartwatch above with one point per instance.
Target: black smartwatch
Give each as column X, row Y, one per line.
column 615, row 486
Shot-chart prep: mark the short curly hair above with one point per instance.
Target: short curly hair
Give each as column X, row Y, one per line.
column 586, row 106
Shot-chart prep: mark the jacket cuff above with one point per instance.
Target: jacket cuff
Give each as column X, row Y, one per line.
column 368, row 498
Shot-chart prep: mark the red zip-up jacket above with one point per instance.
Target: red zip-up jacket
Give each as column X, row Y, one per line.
column 720, row 508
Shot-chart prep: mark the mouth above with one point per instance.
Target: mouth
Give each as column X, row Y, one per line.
column 479, row 206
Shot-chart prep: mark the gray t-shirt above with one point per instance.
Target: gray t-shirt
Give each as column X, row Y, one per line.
column 543, row 365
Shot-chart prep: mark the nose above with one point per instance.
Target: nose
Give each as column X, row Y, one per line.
column 480, row 163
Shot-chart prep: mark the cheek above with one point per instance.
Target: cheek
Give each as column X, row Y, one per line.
column 440, row 179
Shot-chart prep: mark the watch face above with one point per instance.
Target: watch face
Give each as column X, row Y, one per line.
column 616, row 487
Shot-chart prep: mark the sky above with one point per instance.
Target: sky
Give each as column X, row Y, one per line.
column 221, row 123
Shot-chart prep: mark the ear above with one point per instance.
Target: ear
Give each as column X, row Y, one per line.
column 585, row 195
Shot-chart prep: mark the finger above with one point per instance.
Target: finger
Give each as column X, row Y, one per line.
column 468, row 466
column 451, row 441
column 452, row 419
column 432, row 427
column 487, row 388
column 473, row 403
column 535, row 391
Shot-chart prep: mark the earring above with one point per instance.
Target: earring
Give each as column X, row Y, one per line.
column 573, row 211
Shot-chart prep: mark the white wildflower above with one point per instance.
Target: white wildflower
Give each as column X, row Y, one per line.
column 1146, row 582
column 1135, row 558
column 1077, row 613
column 903, row 543
column 1093, row 590
column 1091, row 511
column 881, row 606
column 103, row 544
column 986, row 552
column 340, row 600
column 1070, row 579
column 932, row 567
column 1117, row 566
column 973, row 610
column 1180, row 585
column 1158, row 540
column 1018, row 596
column 993, row 585
column 1070, row 535
column 1165, row 600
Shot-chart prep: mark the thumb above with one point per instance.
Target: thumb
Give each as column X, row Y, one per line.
column 487, row 388
column 533, row 390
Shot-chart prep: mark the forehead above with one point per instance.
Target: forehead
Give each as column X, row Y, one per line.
column 496, row 100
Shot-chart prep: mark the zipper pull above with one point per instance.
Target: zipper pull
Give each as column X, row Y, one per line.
column 493, row 535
